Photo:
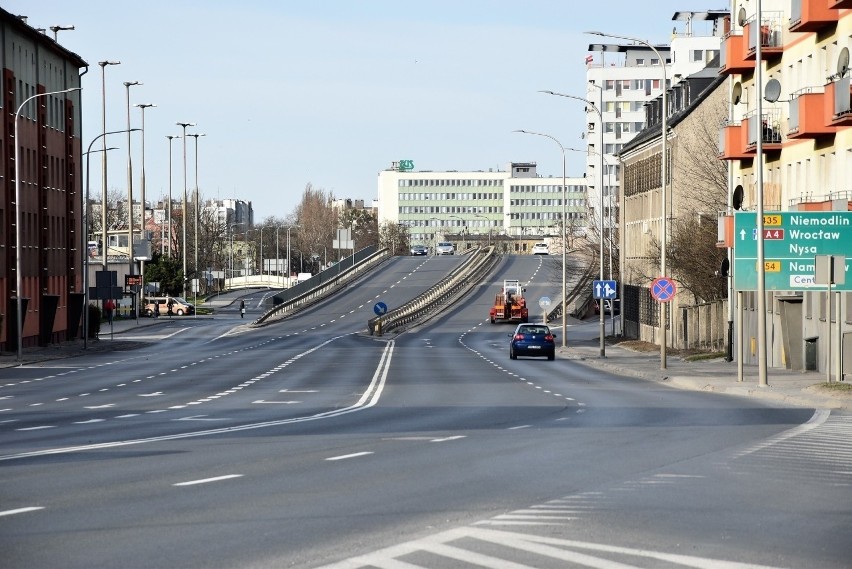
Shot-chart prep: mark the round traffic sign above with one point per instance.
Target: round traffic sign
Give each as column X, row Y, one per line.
column 544, row 301
column 663, row 289
column 380, row 308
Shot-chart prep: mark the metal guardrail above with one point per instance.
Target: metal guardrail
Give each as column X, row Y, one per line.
column 440, row 296
column 582, row 287
column 322, row 284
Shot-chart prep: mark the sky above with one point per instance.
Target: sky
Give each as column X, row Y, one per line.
column 330, row 92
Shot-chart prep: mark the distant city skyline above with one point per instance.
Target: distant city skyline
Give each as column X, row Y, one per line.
column 329, row 94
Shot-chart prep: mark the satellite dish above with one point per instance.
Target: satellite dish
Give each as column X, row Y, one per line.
column 843, row 62
column 737, row 93
column 725, row 268
column 741, row 16
column 738, row 197
column 772, row 91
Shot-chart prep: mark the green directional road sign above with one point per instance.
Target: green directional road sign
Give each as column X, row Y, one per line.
column 791, row 241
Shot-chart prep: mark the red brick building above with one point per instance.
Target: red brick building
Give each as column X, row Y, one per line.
column 51, row 244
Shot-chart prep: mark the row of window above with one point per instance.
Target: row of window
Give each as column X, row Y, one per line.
column 548, row 203
column 422, row 196
column 545, row 215
column 541, row 189
column 405, row 183
column 409, row 209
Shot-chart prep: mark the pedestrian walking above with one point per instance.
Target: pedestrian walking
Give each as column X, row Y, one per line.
column 156, row 308
column 242, row 308
column 109, row 308
column 170, row 305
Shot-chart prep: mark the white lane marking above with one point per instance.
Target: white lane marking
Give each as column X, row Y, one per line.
column 155, row 394
column 298, row 391
column 520, row 427
column 444, row 439
column 208, row 480
column 89, row 421
column 345, row 456
column 200, row 418
column 100, row 406
column 264, row 402
column 369, row 398
column 20, row 511
column 36, row 428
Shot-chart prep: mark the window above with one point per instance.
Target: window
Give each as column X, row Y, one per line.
column 640, row 61
column 697, row 55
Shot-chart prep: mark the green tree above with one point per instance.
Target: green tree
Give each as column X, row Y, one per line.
column 166, row 271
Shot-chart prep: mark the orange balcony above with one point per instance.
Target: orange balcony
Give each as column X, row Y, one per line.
column 811, row 15
column 770, row 41
column 808, row 116
column 838, row 102
column 768, row 128
column 838, row 4
column 732, row 55
column 732, row 142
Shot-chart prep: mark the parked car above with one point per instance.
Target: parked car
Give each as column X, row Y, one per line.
column 540, row 249
column 534, row 340
column 445, row 248
column 419, row 250
column 610, row 307
column 180, row 307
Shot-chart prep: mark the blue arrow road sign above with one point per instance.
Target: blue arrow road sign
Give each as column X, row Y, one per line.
column 606, row 290
column 380, row 308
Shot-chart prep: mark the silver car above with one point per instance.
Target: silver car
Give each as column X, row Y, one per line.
column 445, row 248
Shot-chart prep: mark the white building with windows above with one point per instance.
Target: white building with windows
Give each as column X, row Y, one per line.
column 516, row 202
column 621, row 79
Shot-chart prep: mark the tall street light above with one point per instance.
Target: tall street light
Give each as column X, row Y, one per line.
column 127, row 86
column 564, row 233
column 289, row 266
column 184, row 125
column 142, row 107
column 18, row 267
column 88, row 153
column 602, row 323
column 488, row 223
column 663, row 181
column 195, row 221
column 103, row 65
column 169, row 207
column 57, row 29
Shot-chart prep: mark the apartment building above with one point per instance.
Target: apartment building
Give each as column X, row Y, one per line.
column 515, row 202
column 621, row 79
column 42, row 243
column 800, row 117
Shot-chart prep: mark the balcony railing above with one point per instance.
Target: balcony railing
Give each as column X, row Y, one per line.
column 767, row 128
column 770, row 35
column 811, row 15
column 808, row 117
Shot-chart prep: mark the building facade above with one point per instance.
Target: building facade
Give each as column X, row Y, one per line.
column 802, row 116
column 42, row 231
column 515, row 202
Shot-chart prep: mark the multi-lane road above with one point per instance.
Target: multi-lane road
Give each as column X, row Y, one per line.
column 309, row 443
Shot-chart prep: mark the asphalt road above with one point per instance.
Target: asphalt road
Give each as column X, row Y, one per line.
column 309, row 443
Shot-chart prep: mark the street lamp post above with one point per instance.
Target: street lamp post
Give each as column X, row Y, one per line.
column 488, row 223
column 183, row 244
column 564, row 234
column 127, row 86
column 18, row 266
column 103, row 65
column 57, row 29
column 88, row 153
column 289, row 266
column 169, row 206
column 195, row 221
column 142, row 107
column 663, row 181
column 602, row 317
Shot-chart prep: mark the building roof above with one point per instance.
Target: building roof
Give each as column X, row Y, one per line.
column 697, row 87
column 41, row 38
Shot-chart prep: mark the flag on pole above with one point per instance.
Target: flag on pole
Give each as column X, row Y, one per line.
column 589, row 59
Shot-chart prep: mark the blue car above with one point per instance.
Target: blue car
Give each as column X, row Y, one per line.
column 534, row 340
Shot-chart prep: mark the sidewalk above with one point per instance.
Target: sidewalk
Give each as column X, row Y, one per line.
column 804, row 389
column 106, row 341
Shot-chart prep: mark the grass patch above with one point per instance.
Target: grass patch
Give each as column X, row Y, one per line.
column 841, row 387
column 705, row 356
